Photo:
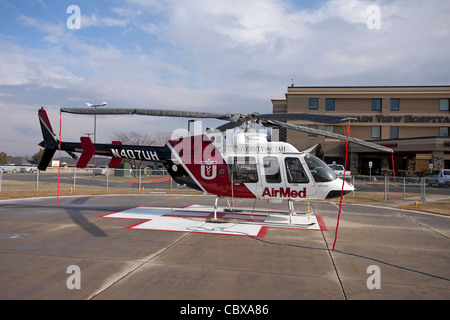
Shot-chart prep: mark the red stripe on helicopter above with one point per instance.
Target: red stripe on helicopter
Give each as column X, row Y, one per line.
column 205, row 165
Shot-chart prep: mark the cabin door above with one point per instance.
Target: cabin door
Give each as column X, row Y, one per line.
column 297, row 177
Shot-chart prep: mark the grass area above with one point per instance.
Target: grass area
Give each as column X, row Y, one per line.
column 438, row 207
column 366, row 197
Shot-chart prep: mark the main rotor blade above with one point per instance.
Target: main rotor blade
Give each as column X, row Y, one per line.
column 230, row 125
column 330, row 135
column 314, row 117
column 151, row 112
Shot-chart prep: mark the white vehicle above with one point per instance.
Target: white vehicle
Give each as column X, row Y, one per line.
column 31, row 168
column 9, row 168
column 440, row 177
column 339, row 170
column 103, row 170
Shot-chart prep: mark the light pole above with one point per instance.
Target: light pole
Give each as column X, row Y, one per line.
column 95, row 116
column 95, row 120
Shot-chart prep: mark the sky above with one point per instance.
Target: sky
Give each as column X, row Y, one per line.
column 201, row 55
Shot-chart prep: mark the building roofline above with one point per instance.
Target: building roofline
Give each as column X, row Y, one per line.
column 410, row 138
column 353, row 87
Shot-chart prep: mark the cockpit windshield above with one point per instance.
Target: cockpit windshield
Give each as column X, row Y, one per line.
column 320, row 171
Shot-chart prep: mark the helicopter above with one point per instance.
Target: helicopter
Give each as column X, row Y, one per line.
column 222, row 161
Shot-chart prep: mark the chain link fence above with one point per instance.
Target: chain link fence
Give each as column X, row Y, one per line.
column 391, row 188
column 81, row 179
column 377, row 188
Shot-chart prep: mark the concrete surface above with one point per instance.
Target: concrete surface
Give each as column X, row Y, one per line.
column 40, row 240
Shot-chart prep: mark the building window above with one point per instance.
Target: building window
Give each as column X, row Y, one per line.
column 395, row 104
column 313, row 103
column 329, row 129
column 394, row 133
column 376, row 104
column 329, row 104
column 443, row 105
column 444, row 131
column 312, row 126
column 376, row 132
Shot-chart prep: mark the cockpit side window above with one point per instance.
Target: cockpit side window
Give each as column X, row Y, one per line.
column 319, row 170
column 294, row 171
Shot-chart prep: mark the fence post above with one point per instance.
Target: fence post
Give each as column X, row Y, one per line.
column 353, row 182
column 139, row 178
column 423, row 195
column 74, row 177
column 404, row 187
column 421, row 189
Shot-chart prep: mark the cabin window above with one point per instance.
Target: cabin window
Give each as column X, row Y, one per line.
column 243, row 169
column 294, row 171
column 272, row 170
column 319, row 170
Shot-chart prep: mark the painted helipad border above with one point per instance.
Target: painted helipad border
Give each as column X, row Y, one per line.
column 195, row 219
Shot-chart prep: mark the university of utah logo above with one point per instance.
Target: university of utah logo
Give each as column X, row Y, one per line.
column 208, row 169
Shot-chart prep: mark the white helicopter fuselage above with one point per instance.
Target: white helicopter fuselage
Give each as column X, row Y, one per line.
column 247, row 165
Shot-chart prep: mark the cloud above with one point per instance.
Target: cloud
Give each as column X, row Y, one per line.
column 54, row 32
column 96, row 21
column 229, row 56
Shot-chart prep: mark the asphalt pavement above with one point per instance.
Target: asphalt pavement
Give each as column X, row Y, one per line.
column 380, row 253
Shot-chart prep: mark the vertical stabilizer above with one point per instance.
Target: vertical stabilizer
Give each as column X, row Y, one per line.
column 50, row 143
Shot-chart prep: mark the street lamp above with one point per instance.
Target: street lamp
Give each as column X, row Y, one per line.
column 95, row 116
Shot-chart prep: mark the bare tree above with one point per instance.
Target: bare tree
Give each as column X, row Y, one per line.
column 139, row 138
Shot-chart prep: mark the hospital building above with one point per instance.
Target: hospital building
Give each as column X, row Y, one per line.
column 414, row 121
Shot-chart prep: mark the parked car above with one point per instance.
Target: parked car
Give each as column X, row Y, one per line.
column 9, row 168
column 439, row 177
column 31, row 168
column 102, row 170
column 339, row 170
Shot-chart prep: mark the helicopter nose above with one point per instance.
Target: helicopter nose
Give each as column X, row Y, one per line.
column 337, row 189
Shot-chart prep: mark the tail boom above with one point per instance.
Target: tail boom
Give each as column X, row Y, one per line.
column 115, row 150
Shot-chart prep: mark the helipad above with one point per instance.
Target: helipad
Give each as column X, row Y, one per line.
column 200, row 219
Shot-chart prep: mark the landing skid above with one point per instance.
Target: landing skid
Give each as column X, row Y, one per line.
column 271, row 214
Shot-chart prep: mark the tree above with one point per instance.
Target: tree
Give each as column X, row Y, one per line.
column 36, row 158
column 3, row 158
column 319, row 151
column 138, row 138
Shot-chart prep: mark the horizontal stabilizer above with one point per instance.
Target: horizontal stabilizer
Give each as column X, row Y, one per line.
column 114, row 163
column 88, row 152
